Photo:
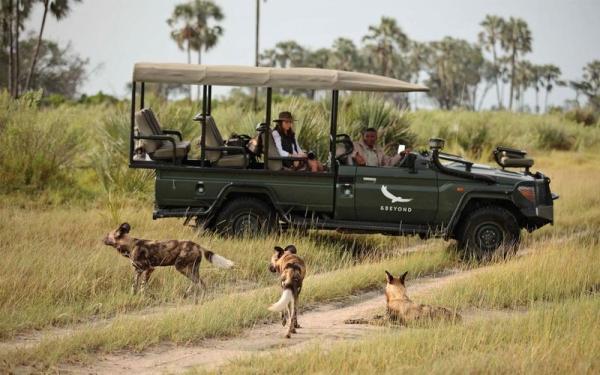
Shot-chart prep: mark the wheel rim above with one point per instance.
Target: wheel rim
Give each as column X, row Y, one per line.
column 489, row 236
column 247, row 222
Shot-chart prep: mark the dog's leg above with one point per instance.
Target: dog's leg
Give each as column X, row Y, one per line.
column 294, row 317
column 136, row 281
column 283, row 318
column 291, row 328
column 296, row 325
column 145, row 277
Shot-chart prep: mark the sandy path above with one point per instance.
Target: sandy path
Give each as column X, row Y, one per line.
column 325, row 323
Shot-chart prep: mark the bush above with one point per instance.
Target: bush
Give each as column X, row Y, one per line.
column 553, row 137
column 586, row 116
column 38, row 148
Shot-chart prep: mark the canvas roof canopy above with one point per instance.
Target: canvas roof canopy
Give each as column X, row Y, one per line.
column 292, row 78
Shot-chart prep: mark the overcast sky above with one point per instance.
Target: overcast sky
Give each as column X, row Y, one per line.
column 114, row 34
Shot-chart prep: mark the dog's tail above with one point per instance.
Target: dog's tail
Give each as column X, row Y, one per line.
column 217, row 260
column 286, row 298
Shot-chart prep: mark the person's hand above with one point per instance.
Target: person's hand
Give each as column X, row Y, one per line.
column 300, row 155
column 359, row 160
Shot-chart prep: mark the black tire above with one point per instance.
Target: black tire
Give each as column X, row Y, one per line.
column 487, row 232
column 245, row 216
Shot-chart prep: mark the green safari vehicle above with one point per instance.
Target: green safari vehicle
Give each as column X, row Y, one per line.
column 239, row 186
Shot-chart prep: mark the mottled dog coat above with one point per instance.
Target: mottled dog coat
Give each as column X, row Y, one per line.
column 401, row 309
column 145, row 255
column 292, row 271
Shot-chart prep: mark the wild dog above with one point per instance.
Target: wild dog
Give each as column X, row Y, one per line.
column 403, row 310
column 291, row 270
column 145, row 255
column 400, row 309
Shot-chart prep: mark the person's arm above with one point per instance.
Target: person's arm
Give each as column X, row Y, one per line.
column 277, row 140
column 298, row 147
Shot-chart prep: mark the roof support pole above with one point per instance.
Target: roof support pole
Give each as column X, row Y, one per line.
column 205, row 100
column 142, row 95
column 131, row 132
column 267, row 130
column 332, row 139
column 209, row 100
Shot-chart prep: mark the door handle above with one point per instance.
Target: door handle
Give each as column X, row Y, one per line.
column 370, row 179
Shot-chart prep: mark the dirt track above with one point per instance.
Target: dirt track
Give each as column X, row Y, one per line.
column 322, row 324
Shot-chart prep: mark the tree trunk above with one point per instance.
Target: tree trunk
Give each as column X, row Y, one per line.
column 10, row 48
column 546, row 101
column 17, row 83
column 537, row 100
column 512, row 77
column 256, row 51
column 199, row 63
column 500, row 105
column 37, row 47
column 189, row 60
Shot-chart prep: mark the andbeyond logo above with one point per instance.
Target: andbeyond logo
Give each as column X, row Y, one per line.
column 392, row 197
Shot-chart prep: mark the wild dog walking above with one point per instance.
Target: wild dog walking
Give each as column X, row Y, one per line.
column 402, row 310
column 292, row 270
column 145, row 255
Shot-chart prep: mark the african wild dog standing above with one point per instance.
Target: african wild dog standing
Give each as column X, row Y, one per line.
column 292, row 270
column 147, row 254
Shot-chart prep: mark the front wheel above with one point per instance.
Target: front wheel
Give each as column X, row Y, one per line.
column 488, row 231
column 245, row 216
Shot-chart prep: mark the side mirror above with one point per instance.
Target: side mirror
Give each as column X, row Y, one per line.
column 401, row 148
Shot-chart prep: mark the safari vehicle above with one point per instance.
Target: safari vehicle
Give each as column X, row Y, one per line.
column 234, row 188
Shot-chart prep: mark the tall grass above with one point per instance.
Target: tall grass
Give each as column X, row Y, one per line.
column 560, row 338
column 557, row 270
column 224, row 315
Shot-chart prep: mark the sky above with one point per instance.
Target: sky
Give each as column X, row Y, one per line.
column 114, row 34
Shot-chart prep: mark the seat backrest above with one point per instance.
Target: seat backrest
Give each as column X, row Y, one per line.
column 144, row 128
column 152, row 121
column 274, row 165
column 213, row 139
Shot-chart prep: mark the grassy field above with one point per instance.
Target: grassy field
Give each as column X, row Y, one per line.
column 71, row 185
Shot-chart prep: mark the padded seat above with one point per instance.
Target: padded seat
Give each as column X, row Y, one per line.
column 516, row 163
column 147, row 125
column 220, row 158
column 166, row 150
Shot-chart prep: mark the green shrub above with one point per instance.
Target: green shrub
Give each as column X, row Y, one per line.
column 38, row 147
column 553, row 137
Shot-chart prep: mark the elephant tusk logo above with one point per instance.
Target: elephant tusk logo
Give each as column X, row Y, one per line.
column 392, row 197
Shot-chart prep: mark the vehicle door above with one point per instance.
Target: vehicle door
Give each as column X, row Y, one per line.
column 396, row 194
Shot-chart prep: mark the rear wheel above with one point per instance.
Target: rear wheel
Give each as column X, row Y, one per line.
column 245, row 216
column 488, row 231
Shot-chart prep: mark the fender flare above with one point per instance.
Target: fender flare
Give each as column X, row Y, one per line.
column 231, row 188
column 465, row 200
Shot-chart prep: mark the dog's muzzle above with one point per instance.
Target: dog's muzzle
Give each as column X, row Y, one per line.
column 272, row 268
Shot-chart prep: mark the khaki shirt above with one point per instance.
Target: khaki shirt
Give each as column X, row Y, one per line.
column 374, row 157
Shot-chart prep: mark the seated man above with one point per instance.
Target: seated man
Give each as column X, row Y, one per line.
column 368, row 153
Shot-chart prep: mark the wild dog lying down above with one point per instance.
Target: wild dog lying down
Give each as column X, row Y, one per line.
column 147, row 254
column 402, row 310
column 292, row 270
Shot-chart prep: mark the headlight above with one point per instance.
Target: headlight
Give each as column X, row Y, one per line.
column 528, row 192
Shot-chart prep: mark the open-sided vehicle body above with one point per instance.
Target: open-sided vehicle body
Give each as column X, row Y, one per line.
column 235, row 188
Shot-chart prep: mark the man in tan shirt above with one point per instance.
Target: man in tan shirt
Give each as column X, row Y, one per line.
column 368, row 153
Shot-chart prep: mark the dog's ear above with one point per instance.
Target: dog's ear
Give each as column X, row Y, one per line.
column 291, row 249
column 403, row 277
column 279, row 251
column 390, row 278
column 123, row 229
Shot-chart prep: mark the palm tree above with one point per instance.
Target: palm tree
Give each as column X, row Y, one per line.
column 489, row 38
column 57, row 8
column 344, row 55
column 206, row 36
column 386, row 39
column 516, row 40
column 192, row 30
column 549, row 75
